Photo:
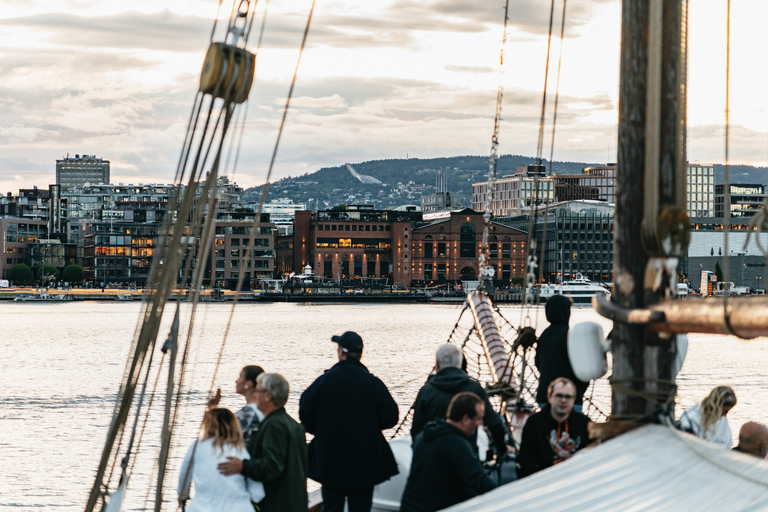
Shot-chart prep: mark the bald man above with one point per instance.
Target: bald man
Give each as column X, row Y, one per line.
column 753, row 439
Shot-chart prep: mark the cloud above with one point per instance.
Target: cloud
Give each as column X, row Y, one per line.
column 127, row 30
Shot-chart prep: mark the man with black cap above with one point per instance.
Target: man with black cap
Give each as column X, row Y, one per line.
column 346, row 409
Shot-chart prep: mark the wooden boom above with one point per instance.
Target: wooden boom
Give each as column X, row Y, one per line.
column 745, row 317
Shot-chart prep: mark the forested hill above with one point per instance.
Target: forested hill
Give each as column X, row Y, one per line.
column 404, row 181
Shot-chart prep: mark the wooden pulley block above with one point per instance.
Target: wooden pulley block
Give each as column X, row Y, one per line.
column 227, row 72
column 526, row 337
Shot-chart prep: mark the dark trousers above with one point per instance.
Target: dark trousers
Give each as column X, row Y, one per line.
column 360, row 499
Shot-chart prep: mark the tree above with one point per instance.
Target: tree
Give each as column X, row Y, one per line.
column 72, row 273
column 718, row 271
column 20, row 274
column 47, row 271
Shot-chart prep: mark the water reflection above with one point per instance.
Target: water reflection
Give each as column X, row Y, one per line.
column 62, row 364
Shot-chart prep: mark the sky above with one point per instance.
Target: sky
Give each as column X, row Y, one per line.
column 378, row 80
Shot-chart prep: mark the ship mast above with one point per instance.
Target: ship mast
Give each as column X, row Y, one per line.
column 650, row 192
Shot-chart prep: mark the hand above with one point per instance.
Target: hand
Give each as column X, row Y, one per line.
column 233, row 466
column 214, row 402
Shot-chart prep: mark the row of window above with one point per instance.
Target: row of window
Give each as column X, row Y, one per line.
column 353, row 227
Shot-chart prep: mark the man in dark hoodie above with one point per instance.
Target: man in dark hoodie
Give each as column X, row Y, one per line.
column 555, row 433
column 432, row 401
column 445, row 469
column 552, row 351
column 346, row 409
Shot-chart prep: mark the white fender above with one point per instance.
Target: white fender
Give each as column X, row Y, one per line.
column 682, row 350
column 586, row 351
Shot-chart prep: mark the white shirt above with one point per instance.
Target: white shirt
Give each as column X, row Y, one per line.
column 215, row 492
column 721, row 435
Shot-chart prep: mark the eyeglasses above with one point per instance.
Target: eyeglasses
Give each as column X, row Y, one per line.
column 564, row 397
column 259, row 390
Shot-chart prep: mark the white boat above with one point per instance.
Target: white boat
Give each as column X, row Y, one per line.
column 580, row 290
column 44, row 297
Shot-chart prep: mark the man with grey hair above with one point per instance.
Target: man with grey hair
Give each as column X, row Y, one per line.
column 449, row 379
column 753, row 439
column 278, row 450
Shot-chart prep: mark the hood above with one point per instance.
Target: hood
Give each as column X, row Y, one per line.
column 449, row 380
column 558, row 309
column 436, row 429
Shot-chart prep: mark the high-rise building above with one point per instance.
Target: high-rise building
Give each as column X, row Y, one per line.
column 76, row 172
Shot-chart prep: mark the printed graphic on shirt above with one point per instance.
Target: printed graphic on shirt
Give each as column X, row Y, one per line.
column 562, row 445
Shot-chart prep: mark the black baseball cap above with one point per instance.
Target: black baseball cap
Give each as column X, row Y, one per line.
column 349, row 341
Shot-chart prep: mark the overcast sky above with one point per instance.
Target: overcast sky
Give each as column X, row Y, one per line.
column 385, row 79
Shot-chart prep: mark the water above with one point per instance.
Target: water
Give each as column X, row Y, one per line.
column 61, row 365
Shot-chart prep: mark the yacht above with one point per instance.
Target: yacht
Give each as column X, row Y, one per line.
column 580, row 290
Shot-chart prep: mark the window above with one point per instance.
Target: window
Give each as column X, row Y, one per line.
column 428, row 250
column 441, row 250
column 427, row 271
column 467, row 240
column 234, row 242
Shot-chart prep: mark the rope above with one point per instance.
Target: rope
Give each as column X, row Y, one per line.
column 727, row 169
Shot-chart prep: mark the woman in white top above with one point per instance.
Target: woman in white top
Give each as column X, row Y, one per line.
column 707, row 420
column 215, row 492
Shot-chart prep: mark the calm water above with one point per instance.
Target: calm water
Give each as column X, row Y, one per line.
column 61, row 365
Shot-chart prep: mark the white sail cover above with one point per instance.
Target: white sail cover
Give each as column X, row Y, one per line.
column 651, row 468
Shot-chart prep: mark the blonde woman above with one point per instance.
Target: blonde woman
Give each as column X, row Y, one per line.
column 708, row 419
column 215, row 492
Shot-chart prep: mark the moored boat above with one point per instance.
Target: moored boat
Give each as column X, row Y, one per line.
column 580, row 290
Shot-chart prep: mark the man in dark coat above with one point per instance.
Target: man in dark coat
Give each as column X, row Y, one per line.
column 432, row 401
column 346, row 409
column 552, row 351
column 555, row 433
column 278, row 451
column 445, row 469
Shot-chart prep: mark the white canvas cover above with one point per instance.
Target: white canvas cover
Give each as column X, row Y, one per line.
column 651, row 468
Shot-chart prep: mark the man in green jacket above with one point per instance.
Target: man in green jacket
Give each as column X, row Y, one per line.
column 278, row 451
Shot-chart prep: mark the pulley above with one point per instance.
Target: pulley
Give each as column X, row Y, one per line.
column 227, row 72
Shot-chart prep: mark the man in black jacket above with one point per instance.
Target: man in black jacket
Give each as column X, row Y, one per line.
column 552, row 351
column 346, row 409
column 555, row 433
column 432, row 401
column 445, row 469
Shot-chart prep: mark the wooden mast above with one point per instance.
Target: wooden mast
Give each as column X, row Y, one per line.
column 650, row 192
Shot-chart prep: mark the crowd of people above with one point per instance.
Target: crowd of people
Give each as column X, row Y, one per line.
column 258, row 458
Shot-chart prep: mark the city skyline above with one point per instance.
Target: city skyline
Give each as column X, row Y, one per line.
column 399, row 78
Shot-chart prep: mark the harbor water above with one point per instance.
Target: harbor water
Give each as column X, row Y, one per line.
column 61, row 365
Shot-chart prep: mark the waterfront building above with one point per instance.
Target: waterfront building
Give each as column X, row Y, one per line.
column 82, row 169
column 746, row 199
column 404, row 248
column 577, row 237
column 232, row 253
column 353, row 243
column 118, row 251
column 700, row 190
column 446, row 247
column 37, row 204
column 515, row 192
column 594, row 183
column 282, row 213
column 15, row 235
column 51, row 252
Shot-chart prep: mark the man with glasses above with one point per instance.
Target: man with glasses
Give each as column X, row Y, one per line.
column 555, row 433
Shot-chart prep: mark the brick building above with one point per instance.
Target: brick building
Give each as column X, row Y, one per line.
column 402, row 248
column 446, row 248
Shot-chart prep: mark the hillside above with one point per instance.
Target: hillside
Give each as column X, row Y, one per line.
column 404, row 181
